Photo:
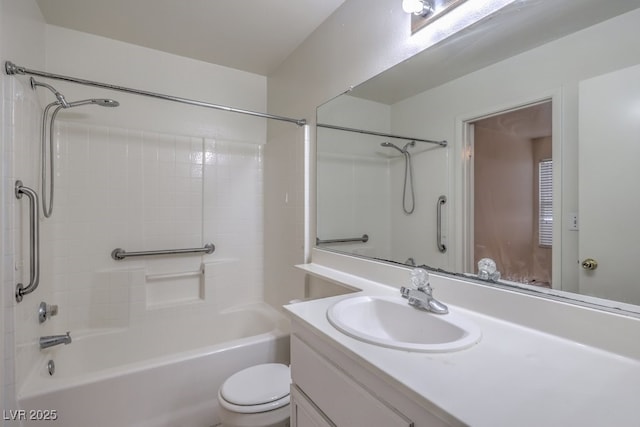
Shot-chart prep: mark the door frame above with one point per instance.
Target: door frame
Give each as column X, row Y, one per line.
column 464, row 173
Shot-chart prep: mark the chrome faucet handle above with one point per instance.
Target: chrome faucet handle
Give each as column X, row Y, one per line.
column 420, row 280
column 46, row 311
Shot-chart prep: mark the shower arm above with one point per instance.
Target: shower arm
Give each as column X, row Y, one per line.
column 13, row 69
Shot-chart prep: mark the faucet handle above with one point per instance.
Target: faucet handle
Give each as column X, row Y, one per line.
column 46, row 311
column 420, row 280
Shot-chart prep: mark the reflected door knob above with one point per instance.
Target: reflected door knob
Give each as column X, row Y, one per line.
column 589, row 264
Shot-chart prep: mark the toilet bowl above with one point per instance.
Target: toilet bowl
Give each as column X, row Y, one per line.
column 256, row 397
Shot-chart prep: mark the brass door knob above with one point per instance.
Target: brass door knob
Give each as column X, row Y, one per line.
column 589, row 264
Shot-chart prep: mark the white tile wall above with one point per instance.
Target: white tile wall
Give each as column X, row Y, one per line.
column 144, row 191
column 139, row 191
column 19, row 148
column 102, row 198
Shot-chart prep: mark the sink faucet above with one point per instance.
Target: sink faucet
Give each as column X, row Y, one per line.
column 52, row 340
column 421, row 296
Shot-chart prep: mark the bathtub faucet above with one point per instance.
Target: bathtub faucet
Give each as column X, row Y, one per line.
column 51, row 340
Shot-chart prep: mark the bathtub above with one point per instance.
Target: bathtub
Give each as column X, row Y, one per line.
column 163, row 373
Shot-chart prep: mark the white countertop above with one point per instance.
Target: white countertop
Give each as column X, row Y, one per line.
column 515, row 376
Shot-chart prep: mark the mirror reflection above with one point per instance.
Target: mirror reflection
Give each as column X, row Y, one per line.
column 527, row 157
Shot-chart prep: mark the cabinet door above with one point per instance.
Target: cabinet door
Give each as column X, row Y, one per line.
column 304, row 413
column 344, row 401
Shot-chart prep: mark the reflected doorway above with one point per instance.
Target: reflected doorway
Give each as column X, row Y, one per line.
column 512, row 193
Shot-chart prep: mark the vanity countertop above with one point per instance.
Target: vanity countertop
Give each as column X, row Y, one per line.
column 515, row 375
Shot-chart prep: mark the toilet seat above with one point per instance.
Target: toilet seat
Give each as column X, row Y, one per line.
column 256, row 389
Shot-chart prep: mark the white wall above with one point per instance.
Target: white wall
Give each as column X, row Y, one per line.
column 22, row 41
column 329, row 62
column 100, row 59
column 552, row 69
column 146, row 175
column 361, row 39
column 353, row 164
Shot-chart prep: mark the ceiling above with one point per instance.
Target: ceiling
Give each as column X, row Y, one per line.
column 254, row 36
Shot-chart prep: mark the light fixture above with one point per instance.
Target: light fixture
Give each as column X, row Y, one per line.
column 426, row 11
column 421, row 8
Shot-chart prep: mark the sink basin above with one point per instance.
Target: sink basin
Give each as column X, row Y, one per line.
column 391, row 322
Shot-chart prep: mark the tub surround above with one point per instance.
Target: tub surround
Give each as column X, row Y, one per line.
column 173, row 380
column 523, row 372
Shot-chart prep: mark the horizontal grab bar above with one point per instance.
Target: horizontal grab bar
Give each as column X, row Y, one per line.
column 363, row 239
column 120, row 254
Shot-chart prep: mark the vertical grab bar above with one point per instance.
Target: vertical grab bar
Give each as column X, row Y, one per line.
column 441, row 201
column 34, row 235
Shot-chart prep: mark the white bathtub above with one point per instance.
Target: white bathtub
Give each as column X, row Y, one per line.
column 163, row 374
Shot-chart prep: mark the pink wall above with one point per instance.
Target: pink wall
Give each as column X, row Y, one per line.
column 503, row 201
column 506, row 202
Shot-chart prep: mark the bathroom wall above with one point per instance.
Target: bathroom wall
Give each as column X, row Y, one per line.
column 353, row 163
column 361, row 39
column 499, row 86
column 150, row 175
column 21, row 40
column 503, row 202
column 332, row 59
column 146, row 175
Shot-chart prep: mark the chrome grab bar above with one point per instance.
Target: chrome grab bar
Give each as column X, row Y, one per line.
column 120, row 254
column 34, row 236
column 441, row 201
column 363, row 239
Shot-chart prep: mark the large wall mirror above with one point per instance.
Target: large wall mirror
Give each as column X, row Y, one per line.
column 517, row 139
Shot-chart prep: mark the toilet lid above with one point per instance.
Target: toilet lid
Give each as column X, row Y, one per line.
column 257, row 385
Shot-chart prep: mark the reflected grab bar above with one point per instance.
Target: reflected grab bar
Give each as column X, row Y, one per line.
column 120, row 254
column 363, row 239
column 34, row 237
column 441, row 201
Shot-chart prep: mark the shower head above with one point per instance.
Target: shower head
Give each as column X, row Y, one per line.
column 105, row 102
column 391, row 145
column 100, row 101
column 58, row 95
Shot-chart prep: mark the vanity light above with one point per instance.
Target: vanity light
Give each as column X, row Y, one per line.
column 421, row 8
column 426, row 11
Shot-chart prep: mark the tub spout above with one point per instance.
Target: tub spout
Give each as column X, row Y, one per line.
column 52, row 340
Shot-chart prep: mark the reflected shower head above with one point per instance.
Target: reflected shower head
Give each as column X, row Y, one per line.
column 105, row 102
column 391, row 145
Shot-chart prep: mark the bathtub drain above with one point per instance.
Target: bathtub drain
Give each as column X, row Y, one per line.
column 51, row 367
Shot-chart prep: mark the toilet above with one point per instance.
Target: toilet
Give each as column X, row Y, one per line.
column 257, row 396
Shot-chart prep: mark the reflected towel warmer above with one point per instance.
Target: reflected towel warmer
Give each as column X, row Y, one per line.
column 363, row 239
column 120, row 254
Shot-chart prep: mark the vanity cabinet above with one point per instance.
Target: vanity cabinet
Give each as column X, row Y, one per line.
column 331, row 389
column 304, row 413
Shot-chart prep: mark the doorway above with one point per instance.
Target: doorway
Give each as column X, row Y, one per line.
column 512, row 208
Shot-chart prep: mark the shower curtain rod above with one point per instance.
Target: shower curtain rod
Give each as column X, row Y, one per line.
column 386, row 135
column 12, row 69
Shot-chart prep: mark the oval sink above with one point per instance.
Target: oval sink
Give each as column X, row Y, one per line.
column 391, row 322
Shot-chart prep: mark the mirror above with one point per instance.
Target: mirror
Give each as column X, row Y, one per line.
column 515, row 139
